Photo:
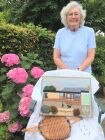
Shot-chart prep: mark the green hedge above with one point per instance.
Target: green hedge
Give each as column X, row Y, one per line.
column 99, row 62
column 28, row 38
column 16, row 39
column 44, row 45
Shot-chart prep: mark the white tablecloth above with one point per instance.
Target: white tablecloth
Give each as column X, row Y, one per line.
column 86, row 129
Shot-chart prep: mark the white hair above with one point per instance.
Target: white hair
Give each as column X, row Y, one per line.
column 66, row 9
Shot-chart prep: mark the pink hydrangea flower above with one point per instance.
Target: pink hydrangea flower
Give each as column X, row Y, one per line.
column 18, row 75
column 15, row 127
column 4, row 116
column 10, row 59
column 37, row 72
column 27, row 90
column 24, row 107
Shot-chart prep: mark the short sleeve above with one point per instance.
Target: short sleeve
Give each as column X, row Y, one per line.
column 91, row 39
column 57, row 41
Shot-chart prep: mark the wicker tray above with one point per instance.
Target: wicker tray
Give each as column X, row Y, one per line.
column 54, row 128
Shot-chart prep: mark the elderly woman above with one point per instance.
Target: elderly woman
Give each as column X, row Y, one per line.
column 74, row 46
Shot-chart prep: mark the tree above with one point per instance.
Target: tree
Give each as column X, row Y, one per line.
column 96, row 14
column 39, row 12
column 47, row 12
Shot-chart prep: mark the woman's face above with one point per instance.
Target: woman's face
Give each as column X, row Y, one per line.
column 74, row 18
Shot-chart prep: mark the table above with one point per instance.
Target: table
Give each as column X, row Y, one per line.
column 86, row 129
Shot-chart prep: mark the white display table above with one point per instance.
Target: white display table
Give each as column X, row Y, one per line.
column 86, row 129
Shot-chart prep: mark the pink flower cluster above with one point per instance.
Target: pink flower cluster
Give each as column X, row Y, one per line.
column 10, row 59
column 24, row 107
column 37, row 72
column 4, row 116
column 16, row 126
column 18, row 75
column 27, row 90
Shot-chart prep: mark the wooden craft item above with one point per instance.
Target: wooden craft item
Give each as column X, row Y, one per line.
column 54, row 128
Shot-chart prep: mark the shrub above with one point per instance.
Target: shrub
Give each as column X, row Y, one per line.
column 28, row 38
column 44, row 45
column 4, row 133
column 16, row 86
column 99, row 62
column 16, row 39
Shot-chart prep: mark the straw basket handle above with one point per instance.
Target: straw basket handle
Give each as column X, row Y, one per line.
column 32, row 129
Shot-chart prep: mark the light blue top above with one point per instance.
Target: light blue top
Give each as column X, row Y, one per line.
column 73, row 46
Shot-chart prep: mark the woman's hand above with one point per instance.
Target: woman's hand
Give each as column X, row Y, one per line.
column 57, row 60
column 88, row 61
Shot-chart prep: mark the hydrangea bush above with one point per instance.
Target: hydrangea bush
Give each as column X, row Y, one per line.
column 18, row 77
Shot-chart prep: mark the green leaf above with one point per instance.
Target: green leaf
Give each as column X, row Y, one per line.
column 24, row 57
column 2, row 78
column 7, row 91
column 39, row 62
column 25, row 64
column 16, row 98
column 14, row 114
column 2, row 70
column 15, row 106
column 31, row 61
column 32, row 55
column 32, row 80
column 1, row 106
column 6, row 96
column 4, row 134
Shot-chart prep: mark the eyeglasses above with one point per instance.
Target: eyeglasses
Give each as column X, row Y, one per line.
column 73, row 14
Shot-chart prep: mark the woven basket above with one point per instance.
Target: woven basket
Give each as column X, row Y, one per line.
column 53, row 128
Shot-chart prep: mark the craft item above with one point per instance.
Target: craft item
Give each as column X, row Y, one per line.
column 54, row 128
